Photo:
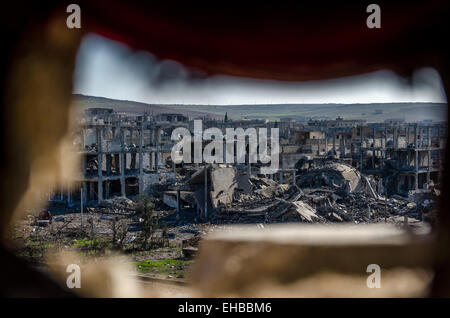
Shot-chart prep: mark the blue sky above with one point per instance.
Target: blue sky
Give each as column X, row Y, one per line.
column 110, row 69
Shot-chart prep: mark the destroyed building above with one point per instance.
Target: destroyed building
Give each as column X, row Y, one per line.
column 412, row 152
column 120, row 156
column 357, row 173
column 320, row 191
column 324, row 167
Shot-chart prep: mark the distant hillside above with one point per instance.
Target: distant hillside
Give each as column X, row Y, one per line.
column 371, row 112
column 137, row 108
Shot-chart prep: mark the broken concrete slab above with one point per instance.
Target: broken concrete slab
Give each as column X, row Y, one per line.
column 224, row 182
column 330, row 173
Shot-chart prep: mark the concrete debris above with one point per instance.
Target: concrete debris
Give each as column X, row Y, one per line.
column 305, row 211
column 330, row 173
column 326, row 190
column 113, row 206
column 224, row 184
column 118, row 203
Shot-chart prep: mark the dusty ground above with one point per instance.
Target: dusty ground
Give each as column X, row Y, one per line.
column 95, row 239
column 65, row 233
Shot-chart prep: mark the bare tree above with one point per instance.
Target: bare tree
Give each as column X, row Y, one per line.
column 146, row 209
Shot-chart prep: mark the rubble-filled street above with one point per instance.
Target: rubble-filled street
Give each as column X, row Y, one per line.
column 325, row 191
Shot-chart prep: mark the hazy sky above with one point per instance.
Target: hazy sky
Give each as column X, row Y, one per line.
column 110, row 69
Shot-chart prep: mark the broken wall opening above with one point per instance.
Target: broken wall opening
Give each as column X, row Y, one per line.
column 131, row 186
column 115, row 188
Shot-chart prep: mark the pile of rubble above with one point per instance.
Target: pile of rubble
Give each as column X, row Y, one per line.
column 115, row 205
column 260, row 190
column 427, row 202
column 325, row 173
column 325, row 191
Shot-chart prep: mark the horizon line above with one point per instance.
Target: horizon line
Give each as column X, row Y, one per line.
column 183, row 104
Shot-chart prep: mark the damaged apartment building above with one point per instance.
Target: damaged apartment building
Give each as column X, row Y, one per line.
column 405, row 156
column 121, row 155
column 409, row 155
